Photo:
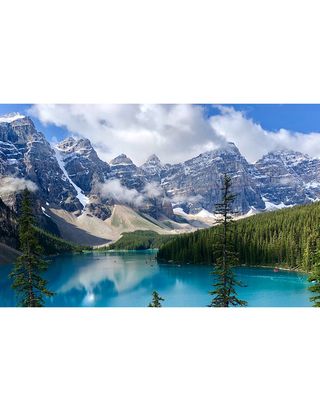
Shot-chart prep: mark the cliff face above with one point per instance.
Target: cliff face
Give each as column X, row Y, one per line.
column 8, row 226
column 196, row 184
column 25, row 153
column 72, row 177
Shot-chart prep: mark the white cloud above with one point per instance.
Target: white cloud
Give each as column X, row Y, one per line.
column 11, row 185
column 253, row 141
column 115, row 190
column 153, row 190
column 174, row 132
column 182, row 198
column 118, row 192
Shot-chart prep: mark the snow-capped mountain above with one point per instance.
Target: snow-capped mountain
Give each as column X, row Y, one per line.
column 85, row 171
column 154, row 200
column 196, row 184
column 123, row 169
column 70, row 176
column 25, row 153
column 288, row 177
column 82, row 163
column 153, row 169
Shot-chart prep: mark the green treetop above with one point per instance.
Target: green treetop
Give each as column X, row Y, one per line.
column 156, row 300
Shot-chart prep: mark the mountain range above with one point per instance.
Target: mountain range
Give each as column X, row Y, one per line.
column 86, row 199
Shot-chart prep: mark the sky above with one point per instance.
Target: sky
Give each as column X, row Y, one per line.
column 178, row 132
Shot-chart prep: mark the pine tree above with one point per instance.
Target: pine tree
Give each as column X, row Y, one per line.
column 314, row 279
column 156, row 300
column 224, row 291
column 26, row 275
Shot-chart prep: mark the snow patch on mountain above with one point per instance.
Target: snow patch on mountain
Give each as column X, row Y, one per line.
column 44, row 212
column 272, row 207
column 84, row 200
column 251, row 212
column 9, row 118
column 312, row 184
column 205, row 214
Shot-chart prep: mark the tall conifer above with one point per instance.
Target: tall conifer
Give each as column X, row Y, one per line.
column 28, row 282
column 224, row 292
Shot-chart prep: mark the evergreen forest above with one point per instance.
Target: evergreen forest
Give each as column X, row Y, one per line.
column 287, row 238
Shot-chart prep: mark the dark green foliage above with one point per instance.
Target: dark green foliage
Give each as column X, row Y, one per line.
column 286, row 238
column 156, row 300
column 140, row 240
column 26, row 275
column 52, row 245
column 314, row 279
column 224, row 293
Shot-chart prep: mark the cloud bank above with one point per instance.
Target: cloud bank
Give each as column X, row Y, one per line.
column 174, row 132
column 153, row 190
column 115, row 190
column 253, row 141
column 11, row 185
column 118, row 192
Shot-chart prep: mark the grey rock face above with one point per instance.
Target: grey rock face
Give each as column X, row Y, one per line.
column 288, row 177
column 89, row 173
column 196, row 183
column 137, row 178
column 101, row 208
column 25, row 153
column 123, row 169
column 82, row 163
column 73, row 171
column 152, row 169
column 8, row 226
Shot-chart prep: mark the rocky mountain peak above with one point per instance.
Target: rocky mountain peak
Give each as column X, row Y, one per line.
column 121, row 160
column 153, row 159
column 288, row 177
column 76, row 145
column 70, row 176
column 67, row 144
column 81, row 163
column 18, row 129
column 152, row 169
column 228, row 149
column 286, row 156
column 25, row 153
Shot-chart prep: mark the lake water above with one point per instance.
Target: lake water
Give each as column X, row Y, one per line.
column 127, row 279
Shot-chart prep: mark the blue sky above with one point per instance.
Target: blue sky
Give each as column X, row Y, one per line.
column 178, row 132
column 304, row 118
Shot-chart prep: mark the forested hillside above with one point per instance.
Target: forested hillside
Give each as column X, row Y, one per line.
column 140, row 240
column 50, row 243
column 287, row 238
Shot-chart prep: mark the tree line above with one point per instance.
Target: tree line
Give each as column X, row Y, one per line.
column 286, row 238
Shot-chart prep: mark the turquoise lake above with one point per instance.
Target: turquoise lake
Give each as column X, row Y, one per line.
column 127, row 279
